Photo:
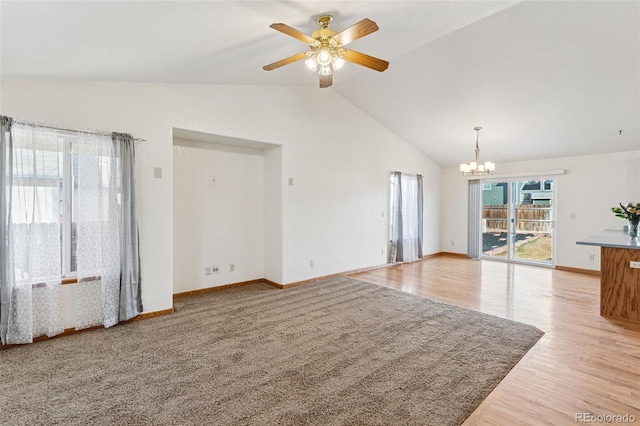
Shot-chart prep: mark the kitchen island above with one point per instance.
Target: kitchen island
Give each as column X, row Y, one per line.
column 619, row 274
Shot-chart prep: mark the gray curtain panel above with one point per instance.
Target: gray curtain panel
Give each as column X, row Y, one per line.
column 420, row 216
column 130, row 277
column 6, row 183
column 475, row 219
column 396, row 237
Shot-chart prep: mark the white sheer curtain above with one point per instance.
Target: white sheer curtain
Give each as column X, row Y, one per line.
column 69, row 210
column 35, row 167
column 406, row 217
column 96, row 206
column 410, row 217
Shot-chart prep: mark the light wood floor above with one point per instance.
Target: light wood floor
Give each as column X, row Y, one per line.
column 583, row 364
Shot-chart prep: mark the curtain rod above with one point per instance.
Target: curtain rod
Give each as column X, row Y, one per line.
column 71, row 130
column 407, row 174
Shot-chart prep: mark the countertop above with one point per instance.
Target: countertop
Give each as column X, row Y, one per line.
column 617, row 239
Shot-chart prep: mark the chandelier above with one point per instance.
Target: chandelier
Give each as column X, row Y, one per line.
column 475, row 168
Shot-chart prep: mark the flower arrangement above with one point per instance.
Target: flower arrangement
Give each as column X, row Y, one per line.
column 631, row 212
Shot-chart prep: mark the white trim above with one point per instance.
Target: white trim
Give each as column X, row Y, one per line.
column 518, row 174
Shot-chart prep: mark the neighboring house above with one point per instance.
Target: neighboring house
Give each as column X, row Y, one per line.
column 530, row 192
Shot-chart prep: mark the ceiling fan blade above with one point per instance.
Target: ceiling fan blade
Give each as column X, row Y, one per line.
column 326, row 81
column 365, row 60
column 285, row 29
column 356, row 31
column 285, row 61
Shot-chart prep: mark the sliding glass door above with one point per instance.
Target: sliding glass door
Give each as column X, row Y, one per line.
column 518, row 220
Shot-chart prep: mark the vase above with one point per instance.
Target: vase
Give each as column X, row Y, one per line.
column 633, row 231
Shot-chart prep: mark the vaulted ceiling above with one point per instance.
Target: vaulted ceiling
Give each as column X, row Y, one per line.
column 543, row 79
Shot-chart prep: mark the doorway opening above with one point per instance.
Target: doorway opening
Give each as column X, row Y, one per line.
column 518, row 220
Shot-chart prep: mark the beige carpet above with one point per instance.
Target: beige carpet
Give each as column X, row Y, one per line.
column 339, row 352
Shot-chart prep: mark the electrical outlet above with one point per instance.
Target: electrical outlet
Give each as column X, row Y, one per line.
column 232, row 267
column 572, row 216
column 215, row 269
column 382, row 251
column 311, row 264
column 207, row 270
column 452, row 243
column 592, row 257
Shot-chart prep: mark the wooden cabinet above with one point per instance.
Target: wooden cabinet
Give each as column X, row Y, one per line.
column 619, row 281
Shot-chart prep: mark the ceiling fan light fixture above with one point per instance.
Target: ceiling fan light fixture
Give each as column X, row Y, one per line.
column 324, row 57
column 327, row 53
column 337, row 62
column 325, row 70
column 311, row 64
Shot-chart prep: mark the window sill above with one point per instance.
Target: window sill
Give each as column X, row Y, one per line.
column 67, row 280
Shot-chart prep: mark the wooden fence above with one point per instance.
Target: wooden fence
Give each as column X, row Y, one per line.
column 535, row 218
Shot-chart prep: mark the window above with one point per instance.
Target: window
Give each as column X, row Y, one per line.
column 42, row 191
column 46, row 188
column 535, row 185
column 536, row 191
column 405, row 218
column 65, row 195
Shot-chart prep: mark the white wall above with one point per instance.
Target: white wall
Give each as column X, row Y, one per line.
column 591, row 185
column 217, row 216
column 338, row 157
column 272, row 220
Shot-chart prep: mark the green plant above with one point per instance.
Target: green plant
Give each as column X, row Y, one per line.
column 630, row 212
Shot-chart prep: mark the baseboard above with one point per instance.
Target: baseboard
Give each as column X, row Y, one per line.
column 558, row 267
column 220, row 287
column 447, row 254
column 71, row 331
column 366, row 269
column 578, row 270
column 148, row 315
column 273, row 283
column 310, row 280
column 325, row 277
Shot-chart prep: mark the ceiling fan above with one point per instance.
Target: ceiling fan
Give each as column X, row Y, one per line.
column 327, row 52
